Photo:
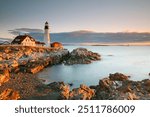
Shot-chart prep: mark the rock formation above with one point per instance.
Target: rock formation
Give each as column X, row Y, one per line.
column 19, row 63
column 118, row 87
column 27, row 86
column 82, row 93
column 82, row 56
column 30, row 59
column 118, row 77
column 62, row 89
column 9, row 94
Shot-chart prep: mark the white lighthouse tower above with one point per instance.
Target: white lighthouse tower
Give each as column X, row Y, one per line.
column 46, row 35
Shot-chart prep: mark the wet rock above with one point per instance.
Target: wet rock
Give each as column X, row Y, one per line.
column 118, row 77
column 56, row 85
column 82, row 56
column 70, row 84
column 60, row 87
column 106, row 84
column 9, row 94
column 92, row 87
column 82, row 93
column 105, row 89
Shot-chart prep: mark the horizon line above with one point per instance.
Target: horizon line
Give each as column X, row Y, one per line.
column 87, row 31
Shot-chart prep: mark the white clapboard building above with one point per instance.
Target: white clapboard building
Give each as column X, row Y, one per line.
column 26, row 40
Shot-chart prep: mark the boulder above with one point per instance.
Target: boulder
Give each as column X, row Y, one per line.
column 82, row 93
column 61, row 88
column 106, row 84
column 147, row 83
column 105, row 90
column 118, row 77
column 9, row 94
column 82, row 56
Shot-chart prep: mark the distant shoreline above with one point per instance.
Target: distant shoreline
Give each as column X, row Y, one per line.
column 108, row 44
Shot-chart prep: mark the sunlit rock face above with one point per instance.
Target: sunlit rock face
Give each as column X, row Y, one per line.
column 29, row 59
column 118, row 87
column 4, row 76
column 63, row 90
column 82, row 56
column 82, row 93
column 9, row 94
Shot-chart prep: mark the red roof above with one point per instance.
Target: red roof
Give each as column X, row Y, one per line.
column 56, row 44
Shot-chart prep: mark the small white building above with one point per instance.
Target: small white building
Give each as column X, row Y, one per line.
column 26, row 40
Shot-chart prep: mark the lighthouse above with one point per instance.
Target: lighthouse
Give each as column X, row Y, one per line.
column 46, row 35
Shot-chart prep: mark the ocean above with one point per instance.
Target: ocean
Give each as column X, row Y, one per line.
column 133, row 61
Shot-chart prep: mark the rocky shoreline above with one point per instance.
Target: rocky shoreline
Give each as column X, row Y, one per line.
column 30, row 59
column 19, row 63
column 18, row 80
column 25, row 86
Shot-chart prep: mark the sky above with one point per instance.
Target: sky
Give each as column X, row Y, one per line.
column 73, row 15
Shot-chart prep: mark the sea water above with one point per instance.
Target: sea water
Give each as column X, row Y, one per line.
column 133, row 61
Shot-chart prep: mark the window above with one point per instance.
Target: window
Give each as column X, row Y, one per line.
column 17, row 39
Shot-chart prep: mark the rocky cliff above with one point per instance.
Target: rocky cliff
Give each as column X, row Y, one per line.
column 29, row 59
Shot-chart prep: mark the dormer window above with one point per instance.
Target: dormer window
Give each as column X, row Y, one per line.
column 17, row 40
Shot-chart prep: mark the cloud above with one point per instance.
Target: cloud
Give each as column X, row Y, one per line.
column 24, row 30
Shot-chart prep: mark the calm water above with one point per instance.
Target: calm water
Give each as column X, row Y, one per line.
column 130, row 60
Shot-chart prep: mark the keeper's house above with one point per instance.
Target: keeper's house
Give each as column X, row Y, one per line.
column 26, row 40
